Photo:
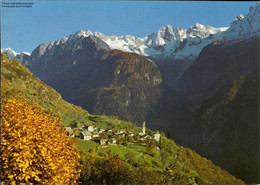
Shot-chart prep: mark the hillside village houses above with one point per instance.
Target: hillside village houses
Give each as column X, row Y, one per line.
column 157, row 136
column 86, row 135
column 108, row 136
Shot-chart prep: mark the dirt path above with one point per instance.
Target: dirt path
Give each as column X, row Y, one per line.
column 139, row 155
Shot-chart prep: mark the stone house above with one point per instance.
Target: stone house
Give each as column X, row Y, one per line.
column 157, row 136
column 141, row 134
column 113, row 141
column 90, row 128
column 95, row 134
column 103, row 141
column 130, row 134
column 121, row 132
column 86, row 135
column 96, row 129
column 147, row 137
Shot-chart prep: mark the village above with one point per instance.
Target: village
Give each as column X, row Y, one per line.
column 110, row 136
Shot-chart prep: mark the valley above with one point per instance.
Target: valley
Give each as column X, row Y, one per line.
column 137, row 150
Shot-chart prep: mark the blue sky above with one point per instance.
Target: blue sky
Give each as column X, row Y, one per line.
column 23, row 29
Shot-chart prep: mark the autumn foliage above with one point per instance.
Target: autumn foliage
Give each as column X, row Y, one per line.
column 34, row 148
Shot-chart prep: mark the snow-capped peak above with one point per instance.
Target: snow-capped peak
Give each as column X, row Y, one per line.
column 22, row 57
column 83, row 33
column 169, row 27
column 244, row 26
column 26, row 53
column 239, row 17
column 9, row 52
column 197, row 26
column 12, row 54
column 166, row 42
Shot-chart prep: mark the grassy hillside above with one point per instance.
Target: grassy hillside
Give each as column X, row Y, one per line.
column 171, row 162
column 17, row 80
column 133, row 162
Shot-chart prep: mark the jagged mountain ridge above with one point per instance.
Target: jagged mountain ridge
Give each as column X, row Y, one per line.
column 66, row 57
column 168, row 42
column 218, row 64
column 13, row 55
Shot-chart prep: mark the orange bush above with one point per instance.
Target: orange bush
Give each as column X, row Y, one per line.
column 34, row 148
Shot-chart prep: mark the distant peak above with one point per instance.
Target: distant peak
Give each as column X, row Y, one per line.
column 80, row 32
column 10, row 51
column 169, row 26
column 83, row 33
column 179, row 28
column 197, row 26
column 162, row 29
column 239, row 17
column 26, row 53
column 6, row 49
column 88, row 32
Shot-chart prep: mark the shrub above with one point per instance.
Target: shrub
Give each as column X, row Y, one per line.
column 34, row 148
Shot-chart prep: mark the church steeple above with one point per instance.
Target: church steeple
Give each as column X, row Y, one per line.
column 144, row 128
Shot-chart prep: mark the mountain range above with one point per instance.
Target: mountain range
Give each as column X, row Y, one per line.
column 165, row 78
column 167, row 42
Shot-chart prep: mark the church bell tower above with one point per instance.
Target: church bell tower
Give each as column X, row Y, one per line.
column 144, row 128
